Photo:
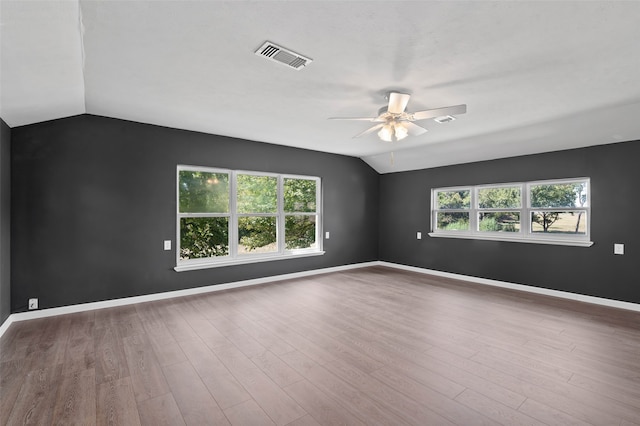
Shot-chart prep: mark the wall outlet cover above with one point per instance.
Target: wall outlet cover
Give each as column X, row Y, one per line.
column 33, row 304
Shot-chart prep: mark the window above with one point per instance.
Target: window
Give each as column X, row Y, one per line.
column 552, row 212
column 230, row 217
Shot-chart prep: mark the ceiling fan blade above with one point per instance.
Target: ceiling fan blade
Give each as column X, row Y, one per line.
column 414, row 129
column 398, row 102
column 370, row 130
column 354, row 118
column 439, row 112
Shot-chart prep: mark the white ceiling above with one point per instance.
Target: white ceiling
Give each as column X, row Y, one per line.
column 536, row 76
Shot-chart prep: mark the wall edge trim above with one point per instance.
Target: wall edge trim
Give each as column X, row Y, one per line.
column 520, row 287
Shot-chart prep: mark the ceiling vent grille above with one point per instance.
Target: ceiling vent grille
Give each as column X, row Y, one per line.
column 284, row 56
column 444, row 119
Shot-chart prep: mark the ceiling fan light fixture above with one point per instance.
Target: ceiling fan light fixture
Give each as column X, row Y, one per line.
column 386, row 133
column 401, row 132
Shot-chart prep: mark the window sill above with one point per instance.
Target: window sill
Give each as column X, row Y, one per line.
column 531, row 240
column 243, row 261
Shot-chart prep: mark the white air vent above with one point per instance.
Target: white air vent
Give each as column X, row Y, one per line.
column 284, row 56
column 444, row 119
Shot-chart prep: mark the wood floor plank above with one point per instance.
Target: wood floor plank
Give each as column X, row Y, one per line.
column 161, row 410
column 270, row 397
column 145, row 371
column 623, row 392
column 270, row 341
column 226, row 390
column 435, row 401
column 553, row 398
column 360, row 403
column 36, row 401
column 493, row 409
column 276, row 369
column 243, row 341
column 116, row 403
column 248, row 413
column 549, row 415
column 202, row 358
column 207, row 332
column 12, row 374
column 76, row 399
column 80, row 349
column 194, row 400
column 322, row 407
column 413, row 409
column 306, row 421
column 111, row 362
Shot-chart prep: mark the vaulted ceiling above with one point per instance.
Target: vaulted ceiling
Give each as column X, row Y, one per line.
column 535, row 76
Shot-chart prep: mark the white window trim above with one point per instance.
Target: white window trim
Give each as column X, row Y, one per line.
column 234, row 258
column 524, row 235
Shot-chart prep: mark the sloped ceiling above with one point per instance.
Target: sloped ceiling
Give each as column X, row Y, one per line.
column 536, row 76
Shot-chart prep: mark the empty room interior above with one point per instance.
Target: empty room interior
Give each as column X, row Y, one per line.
column 319, row 213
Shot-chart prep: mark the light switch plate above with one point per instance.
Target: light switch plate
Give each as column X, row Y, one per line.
column 618, row 249
column 326, row 235
column 167, row 244
column 419, row 235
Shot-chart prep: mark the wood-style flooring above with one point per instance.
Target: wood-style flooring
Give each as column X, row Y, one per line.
column 372, row 346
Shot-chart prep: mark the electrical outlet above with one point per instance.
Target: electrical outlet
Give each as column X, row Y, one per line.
column 33, row 304
column 618, row 249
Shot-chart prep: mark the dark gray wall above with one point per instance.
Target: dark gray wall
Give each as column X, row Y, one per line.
column 93, row 199
column 594, row 271
column 5, row 221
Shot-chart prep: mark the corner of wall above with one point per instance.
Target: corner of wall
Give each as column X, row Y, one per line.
column 5, row 222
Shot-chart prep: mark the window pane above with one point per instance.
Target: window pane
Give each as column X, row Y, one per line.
column 499, row 198
column 454, row 199
column 453, row 221
column 204, row 237
column 257, row 194
column 257, row 234
column 559, row 222
column 300, row 195
column 559, row 195
column 499, row 222
column 299, row 232
column 203, row 192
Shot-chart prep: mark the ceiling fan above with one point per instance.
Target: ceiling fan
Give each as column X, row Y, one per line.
column 396, row 124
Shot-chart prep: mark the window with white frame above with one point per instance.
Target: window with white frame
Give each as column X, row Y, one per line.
column 553, row 212
column 228, row 217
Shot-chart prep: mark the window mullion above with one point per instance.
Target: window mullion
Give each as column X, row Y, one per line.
column 473, row 211
column 280, row 237
column 525, row 215
column 233, row 220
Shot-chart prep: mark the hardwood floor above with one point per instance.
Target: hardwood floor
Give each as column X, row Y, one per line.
column 373, row 346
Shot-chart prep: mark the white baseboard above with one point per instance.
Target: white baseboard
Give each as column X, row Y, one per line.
column 520, row 287
column 43, row 313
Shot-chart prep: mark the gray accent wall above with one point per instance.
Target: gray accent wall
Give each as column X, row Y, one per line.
column 5, row 221
column 595, row 271
column 93, row 198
